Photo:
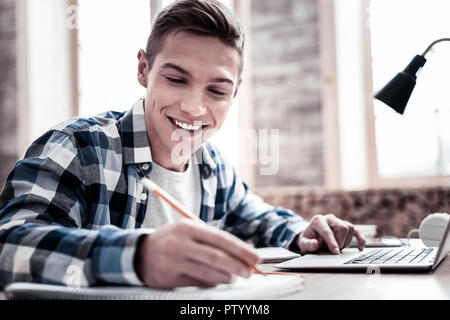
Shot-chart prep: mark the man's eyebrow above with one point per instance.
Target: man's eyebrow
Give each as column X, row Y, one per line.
column 185, row 72
column 220, row 80
column 177, row 68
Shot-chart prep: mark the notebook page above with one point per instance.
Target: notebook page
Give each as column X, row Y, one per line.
column 256, row 287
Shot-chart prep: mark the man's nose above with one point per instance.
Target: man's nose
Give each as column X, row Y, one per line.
column 193, row 104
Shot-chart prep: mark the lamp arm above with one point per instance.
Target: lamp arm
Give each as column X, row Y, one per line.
column 431, row 45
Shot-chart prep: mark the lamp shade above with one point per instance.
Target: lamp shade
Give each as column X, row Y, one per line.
column 396, row 92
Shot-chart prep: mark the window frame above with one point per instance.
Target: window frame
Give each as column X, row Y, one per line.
column 24, row 119
column 374, row 179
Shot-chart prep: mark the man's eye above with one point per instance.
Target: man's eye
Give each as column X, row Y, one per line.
column 217, row 92
column 176, row 80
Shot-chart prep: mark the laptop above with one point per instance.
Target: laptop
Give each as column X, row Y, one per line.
column 395, row 259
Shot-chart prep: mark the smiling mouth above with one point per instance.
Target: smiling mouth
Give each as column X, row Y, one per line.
column 191, row 128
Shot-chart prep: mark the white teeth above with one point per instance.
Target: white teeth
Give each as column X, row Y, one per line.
column 186, row 126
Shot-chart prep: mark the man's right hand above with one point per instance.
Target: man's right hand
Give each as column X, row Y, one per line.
column 187, row 253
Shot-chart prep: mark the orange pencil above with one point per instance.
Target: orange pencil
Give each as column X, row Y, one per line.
column 158, row 191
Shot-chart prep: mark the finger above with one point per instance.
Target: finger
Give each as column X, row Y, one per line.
column 205, row 274
column 216, row 258
column 320, row 225
column 308, row 245
column 361, row 240
column 183, row 280
column 339, row 228
column 226, row 242
column 351, row 230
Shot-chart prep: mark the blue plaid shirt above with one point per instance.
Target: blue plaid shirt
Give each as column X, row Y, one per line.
column 75, row 203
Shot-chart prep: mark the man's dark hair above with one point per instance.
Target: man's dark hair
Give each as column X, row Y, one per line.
column 200, row 17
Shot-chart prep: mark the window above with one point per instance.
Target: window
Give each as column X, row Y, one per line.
column 416, row 144
column 45, row 82
column 110, row 34
column 375, row 39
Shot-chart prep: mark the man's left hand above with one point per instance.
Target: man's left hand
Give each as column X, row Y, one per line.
column 328, row 232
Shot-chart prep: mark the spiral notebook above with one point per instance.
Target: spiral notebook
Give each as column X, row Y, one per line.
column 257, row 287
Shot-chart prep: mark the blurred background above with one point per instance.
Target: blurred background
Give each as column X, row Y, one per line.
column 311, row 69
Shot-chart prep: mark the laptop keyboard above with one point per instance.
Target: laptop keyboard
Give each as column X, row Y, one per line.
column 393, row 256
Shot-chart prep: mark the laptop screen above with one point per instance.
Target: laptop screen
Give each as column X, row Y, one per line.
column 444, row 247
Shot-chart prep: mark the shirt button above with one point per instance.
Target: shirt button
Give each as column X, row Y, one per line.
column 206, row 172
column 143, row 196
column 145, row 166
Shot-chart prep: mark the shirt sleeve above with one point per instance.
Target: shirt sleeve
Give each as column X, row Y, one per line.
column 43, row 209
column 249, row 217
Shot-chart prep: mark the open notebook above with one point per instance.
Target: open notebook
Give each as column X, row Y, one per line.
column 256, row 287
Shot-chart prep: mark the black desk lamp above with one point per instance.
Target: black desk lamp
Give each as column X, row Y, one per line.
column 396, row 92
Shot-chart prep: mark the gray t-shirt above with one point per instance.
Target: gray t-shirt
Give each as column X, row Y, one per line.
column 183, row 186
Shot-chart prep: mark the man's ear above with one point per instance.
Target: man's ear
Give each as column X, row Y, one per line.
column 143, row 68
column 237, row 88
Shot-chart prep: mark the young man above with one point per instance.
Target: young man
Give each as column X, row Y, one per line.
column 75, row 212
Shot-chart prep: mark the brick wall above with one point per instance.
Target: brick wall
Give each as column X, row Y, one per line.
column 286, row 84
column 8, row 98
column 394, row 211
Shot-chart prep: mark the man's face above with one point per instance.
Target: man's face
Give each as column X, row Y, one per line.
column 190, row 89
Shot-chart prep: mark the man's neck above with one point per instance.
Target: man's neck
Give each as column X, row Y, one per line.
column 169, row 165
column 163, row 155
